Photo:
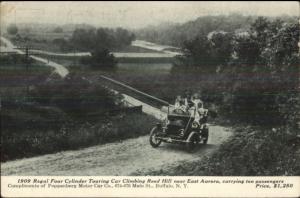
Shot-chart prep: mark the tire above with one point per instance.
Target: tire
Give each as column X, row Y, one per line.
column 153, row 141
column 205, row 136
column 193, row 140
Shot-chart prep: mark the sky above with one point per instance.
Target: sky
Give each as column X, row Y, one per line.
column 134, row 14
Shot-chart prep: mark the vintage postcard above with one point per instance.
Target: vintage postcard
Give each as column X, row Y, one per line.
column 150, row 99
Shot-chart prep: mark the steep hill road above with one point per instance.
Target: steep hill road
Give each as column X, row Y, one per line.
column 122, row 158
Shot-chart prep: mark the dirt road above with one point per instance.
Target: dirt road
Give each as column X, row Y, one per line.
column 116, row 54
column 122, row 158
column 157, row 47
column 59, row 69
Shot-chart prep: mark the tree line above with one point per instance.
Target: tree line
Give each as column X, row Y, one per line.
column 101, row 38
column 100, row 42
column 175, row 34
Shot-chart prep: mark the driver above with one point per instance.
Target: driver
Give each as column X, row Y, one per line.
column 188, row 100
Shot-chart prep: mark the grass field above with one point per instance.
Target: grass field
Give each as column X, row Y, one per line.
column 155, row 78
column 39, row 40
column 16, row 77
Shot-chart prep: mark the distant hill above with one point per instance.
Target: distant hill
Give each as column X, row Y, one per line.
column 72, row 27
column 175, row 34
column 49, row 27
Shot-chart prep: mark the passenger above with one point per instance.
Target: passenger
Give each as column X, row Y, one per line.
column 179, row 105
column 202, row 115
column 197, row 101
column 187, row 100
column 191, row 104
column 178, row 102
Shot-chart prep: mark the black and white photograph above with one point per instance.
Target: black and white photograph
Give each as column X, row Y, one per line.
column 150, row 88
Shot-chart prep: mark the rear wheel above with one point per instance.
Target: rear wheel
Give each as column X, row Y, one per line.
column 192, row 142
column 153, row 139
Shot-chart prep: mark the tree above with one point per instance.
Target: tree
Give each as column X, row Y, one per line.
column 285, row 44
column 207, row 52
column 123, row 37
column 101, row 38
column 247, row 51
column 266, row 70
column 104, row 39
column 100, row 59
column 197, row 50
column 220, row 47
column 83, row 39
column 12, row 29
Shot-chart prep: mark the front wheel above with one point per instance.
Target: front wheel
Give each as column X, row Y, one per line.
column 153, row 140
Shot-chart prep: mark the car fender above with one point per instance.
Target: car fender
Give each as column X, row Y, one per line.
column 193, row 133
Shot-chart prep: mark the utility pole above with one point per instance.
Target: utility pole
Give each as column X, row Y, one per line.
column 27, row 65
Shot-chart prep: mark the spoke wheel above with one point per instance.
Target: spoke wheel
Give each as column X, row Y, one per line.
column 153, row 138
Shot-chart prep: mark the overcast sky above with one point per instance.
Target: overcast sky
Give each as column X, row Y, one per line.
column 134, row 14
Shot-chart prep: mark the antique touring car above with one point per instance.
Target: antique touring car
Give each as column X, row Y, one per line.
column 187, row 128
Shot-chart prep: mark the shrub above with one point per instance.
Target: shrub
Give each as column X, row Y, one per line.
column 76, row 96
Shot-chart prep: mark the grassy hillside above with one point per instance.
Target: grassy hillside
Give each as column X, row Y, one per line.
column 42, row 114
column 36, row 130
column 251, row 151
